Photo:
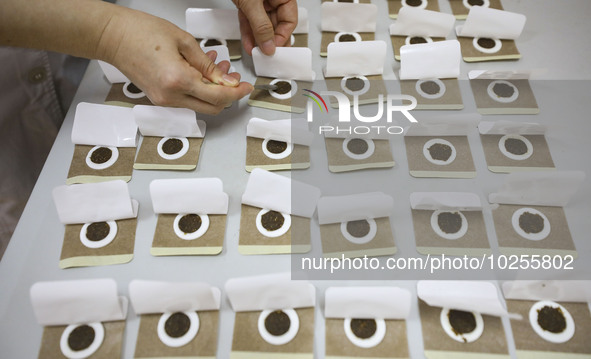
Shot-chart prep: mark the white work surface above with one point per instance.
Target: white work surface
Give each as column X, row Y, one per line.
column 555, row 43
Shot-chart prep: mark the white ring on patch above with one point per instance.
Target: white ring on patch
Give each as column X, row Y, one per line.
column 498, row 98
column 373, row 230
column 525, row 156
column 486, row 3
column 185, row 338
column 492, row 50
column 173, row 156
column 193, row 235
column 276, row 156
column 130, row 94
column 107, row 164
column 101, row 243
column 292, row 39
column 531, row 236
column 341, row 33
column 433, row 141
column 371, row 147
column 427, row 38
column 203, row 41
column 370, row 342
column 423, row 5
column 287, row 95
column 276, row 233
column 294, row 327
column 348, row 91
column 562, row 337
column 451, row 236
column 437, row 95
column 465, row 337
column 99, row 336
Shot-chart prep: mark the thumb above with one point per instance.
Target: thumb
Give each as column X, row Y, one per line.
column 260, row 23
column 205, row 64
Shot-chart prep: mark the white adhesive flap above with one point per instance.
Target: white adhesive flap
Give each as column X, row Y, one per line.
column 104, row 125
column 474, row 296
column 94, row 202
column 348, row 17
column 497, row 24
column 503, row 127
column 288, row 63
column 339, row 209
column 273, row 191
column 355, row 58
column 213, row 23
column 112, row 74
column 168, row 121
column 578, row 291
column 432, row 201
column 446, row 125
column 440, row 60
column 539, row 188
column 271, row 291
column 303, row 25
column 189, row 195
column 289, row 130
column 419, row 22
column 161, row 297
column 367, row 302
column 77, row 302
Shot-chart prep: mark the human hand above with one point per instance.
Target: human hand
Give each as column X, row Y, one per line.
column 168, row 65
column 266, row 23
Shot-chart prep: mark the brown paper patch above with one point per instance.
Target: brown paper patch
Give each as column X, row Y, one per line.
column 419, row 166
column 120, row 250
column 558, row 242
column 120, row 170
column 394, row 6
column 248, row 343
column 376, row 88
column 339, row 161
column 234, row 48
column 300, row 40
column 394, row 344
column 204, row 345
column 109, row 349
column 334, row 243
column 167, row 243
column 473, row 243
column 329, row 37
column 470, row 53
column 498, row 162
column 524, row 104
column 491, row 344
column 256, row 158
column 449, row 95
column 116, row 97
column 461, row 12
column 528, row 344
column 251, row 241
column 399, row 41
column 262, row 98
column 149, row 159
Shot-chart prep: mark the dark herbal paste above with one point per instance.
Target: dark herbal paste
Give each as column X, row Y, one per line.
column 177, row 325
column 276, row 146
column 172, row 146
column 81, row 338
column 440, row 152
column 101, row 155
column 190, row 223
column 97, row 231
column 277, row 323
column 272, row 220
column 449, row 222
column 358, row 228
column 551, row 319
column 531, row 222
column 357, row 146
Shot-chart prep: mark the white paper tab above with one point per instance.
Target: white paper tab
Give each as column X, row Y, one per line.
column 473, row 296
column 112, row 73
column 168, row 121
column 577, row 291
column 272, row 191
column 539, row 188
column 419, row 22
column 290, row 130
column 439, row 60
column 104, row 125
column 288, row 63
column 445, row 125
column 77, row 302
column 221, row 24
column 149, row 297
column 94, row 202
column 432, row 201
column 339, row 209
column 367, row 302
column 189, row 195
column 497, row 24
column 348, row 17
column 363, row 58
column 502, row 75
column 271, row 291
column 503, row 127
column 303, row 24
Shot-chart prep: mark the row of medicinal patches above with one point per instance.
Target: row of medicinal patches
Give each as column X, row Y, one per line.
column 276, row 215
column 275, row 317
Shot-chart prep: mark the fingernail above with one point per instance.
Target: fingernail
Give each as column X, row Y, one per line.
column 229, row 80
column 268, row 47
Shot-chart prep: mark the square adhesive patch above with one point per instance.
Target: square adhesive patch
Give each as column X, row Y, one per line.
column 101, row 163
